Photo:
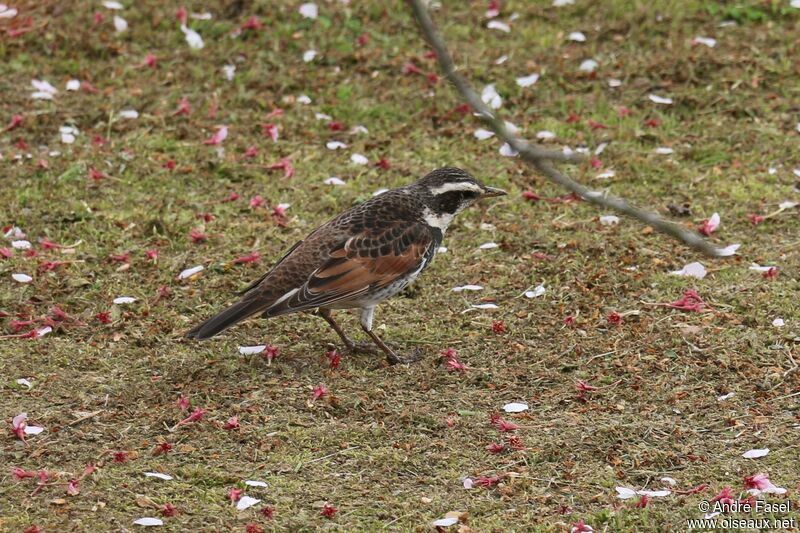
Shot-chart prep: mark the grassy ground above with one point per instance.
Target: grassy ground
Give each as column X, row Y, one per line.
column 389, row 446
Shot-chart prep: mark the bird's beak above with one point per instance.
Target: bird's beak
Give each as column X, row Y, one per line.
column 488, row 192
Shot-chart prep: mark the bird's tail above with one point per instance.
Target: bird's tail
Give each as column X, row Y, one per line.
column 227, row 318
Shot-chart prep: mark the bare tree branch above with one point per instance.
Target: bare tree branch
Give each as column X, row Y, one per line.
column 543, row 159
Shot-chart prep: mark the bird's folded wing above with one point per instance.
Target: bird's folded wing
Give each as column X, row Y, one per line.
column 359, row 266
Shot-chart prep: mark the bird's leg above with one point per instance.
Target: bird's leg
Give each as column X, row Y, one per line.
column 349, row 344
column 391, row 356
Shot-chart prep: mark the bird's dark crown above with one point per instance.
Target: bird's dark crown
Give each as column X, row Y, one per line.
column 445, row 175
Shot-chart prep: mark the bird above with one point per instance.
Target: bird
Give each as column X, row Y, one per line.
column 359, row 258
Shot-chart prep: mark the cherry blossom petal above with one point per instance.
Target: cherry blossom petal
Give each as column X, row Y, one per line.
column 109, row 4
column 654, row 493
column 189, row 272
column 577, row 36
column 251, row 483
column 309, row 55
column 359, row 159
column 497, row 25
column 7, row 12
column 25, row 382
column 445, row 522
column 335, row 145
column 755, row 453
column 73, row 85
column 664, row 150
column 121, row 300
column 22, row 278
column 485, row 306
column 159, row 475
column 490, row 97
column 333, row 180
column 693, row 270
column 659, row 99
column 778, row 322
column 609, row 220
column 535, row 293
column 614, row 83
column 252, row 350
column 229, row 71
column 120, row 24
column 728, row 250
column 482, row 134
column 726, row 396
column 588, row 65
column 624, row 493
column 245, row 502
column 488, row 246
column 706, row 41
column 507, row 151
column 467, row 288
column 527, row 81
column 309, row 10
column 193, row 38
column 129, row 113
column 43, row 86
column 148, row 521
column 545, row 135
column 606, row 175
column 515, row 407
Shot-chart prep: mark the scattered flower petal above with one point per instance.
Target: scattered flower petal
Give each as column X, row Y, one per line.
column 121, row 300
column 120, row 24
column 659, row 99
column 309, row 10
column 467, row 288
column 252, row 350
column 245, row 502
column 333, row 180
column 482, row 134
column 577, row 36
column 158, row 475
column 527, row 81
column 22, row 278
column 497, row 25
column 755, row 453
column 148, row 521
column 359, row 159
column 515, row 407
column 189, row 272
column 588, row 65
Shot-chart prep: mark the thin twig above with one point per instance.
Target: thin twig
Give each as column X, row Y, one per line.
column 541, row 158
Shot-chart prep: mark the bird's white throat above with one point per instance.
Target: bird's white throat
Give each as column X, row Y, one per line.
column 440, row 221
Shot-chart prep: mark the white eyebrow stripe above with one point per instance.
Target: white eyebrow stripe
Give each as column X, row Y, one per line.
column 457, row 186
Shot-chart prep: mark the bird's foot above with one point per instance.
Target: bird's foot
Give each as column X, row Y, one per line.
column 394, row 359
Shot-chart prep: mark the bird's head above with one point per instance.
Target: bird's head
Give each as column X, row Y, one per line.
column 448, row 191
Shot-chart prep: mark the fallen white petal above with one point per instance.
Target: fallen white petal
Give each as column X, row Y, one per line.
column 562, row 3
column 73, row 85
column 545, row 135
column 358, row 128
column 193, row 38
column 303, row 99
column 229, row 71
column 500, row 60
column 22, row 278
column 201, row 16
column 251, row 483
column 488, row 246
column 624, row 493
column 42, row 95
column 654, row 493
column 33, row 430
column 482, row 134
column 41, row 332
column 588, row 65
column 189, row 272
column 120, row 24
column 333, row 180
column 577, row 36
column 467, row 288
column 497, row 25
column 778, row 322
column 515, row 407
column 309, row 10
column 538, row 291
column 759, row 268
column 245, row 502
column 728, row 250
column 108, row 4
column 309, row 55
column 23, row 381
column 692, row 270
column 335, row 145
column 43, row 86
column 359, row 159
column 726, row 396
column 755, row 453
column 445, row 522
column 795, row 4
column 158, row 475
column 485, row 306
column 67, row 138
column 708, row 41
column 796, row 172
column 468, row 483
column 322, row 116
column 507, row 151
column 124, row 300
column 6, row 12
column 148, row 521
column 663, row 150
column 129, row 113
column 788, row 205
column 669, row 480
column 609, row 220
column 442, row 250
column 527, row 81
column 252, row 350
column 490, row 97
column 659, row 99
column 614, row 83
column 605, row 175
